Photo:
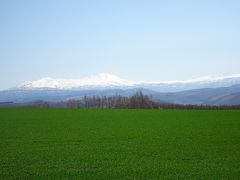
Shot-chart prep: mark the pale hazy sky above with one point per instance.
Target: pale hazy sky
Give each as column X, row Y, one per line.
column 134, row 39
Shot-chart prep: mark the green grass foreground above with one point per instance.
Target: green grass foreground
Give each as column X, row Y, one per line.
column 119, row 144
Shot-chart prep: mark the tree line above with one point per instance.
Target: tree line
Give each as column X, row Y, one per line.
column 137, row 101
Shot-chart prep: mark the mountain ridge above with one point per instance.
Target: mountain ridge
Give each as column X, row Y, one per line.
column 206, row 90
column 209, row 96
column 105, row 80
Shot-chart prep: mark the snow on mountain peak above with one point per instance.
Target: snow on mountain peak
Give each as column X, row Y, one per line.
column 109, row 80
column 204, row 79
column 102, row 79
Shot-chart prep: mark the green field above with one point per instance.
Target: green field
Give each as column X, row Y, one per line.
column 119, row 144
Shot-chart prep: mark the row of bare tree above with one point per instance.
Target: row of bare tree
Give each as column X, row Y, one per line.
column 137, row 101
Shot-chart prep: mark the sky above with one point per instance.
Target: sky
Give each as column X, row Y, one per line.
column 134, row 39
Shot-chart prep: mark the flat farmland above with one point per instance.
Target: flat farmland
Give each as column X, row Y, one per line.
column 119, row 144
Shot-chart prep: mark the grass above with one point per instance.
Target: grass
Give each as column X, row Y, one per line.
column 119, row 144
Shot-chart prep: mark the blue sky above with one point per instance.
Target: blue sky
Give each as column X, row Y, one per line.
column 134, row 39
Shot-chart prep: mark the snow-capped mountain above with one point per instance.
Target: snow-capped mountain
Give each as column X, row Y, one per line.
column 100, row 80
column 109, row 81
column 205, row 90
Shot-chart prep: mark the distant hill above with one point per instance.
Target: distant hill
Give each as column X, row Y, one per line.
column 210, row 96
column 29, row 95
column 230, row 99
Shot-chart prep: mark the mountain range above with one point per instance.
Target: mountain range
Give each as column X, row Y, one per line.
column 224, row 90
column 109, row 81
